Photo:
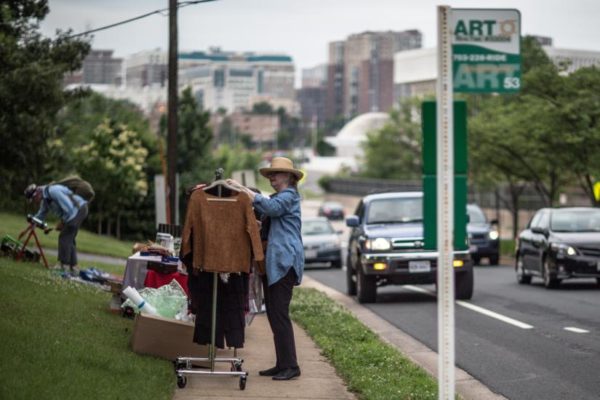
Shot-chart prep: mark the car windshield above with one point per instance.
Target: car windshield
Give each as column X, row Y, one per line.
column 316, row 228
column 585, row 220
column 332, row 205
column 476, row 216
column 398, row 210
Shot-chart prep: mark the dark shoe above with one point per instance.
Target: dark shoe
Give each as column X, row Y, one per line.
column 269, row 372
column 287, row 374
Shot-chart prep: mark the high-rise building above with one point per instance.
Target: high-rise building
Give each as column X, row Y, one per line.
column 99, row 67
column 231, row 80
column 334, row 102
column 314, row 77
column 146, row 68
column 366, row 70
column 311, row 96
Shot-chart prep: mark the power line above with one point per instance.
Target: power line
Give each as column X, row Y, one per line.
column 179, row 5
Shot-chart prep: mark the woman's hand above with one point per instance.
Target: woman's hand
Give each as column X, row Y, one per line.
column 241, row 187
column 234, row 183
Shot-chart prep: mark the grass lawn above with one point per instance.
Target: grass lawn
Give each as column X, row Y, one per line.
column 59, row 341
column 87, row 242
column 372, row 369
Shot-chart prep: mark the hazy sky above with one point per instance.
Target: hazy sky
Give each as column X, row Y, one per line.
column 302, row 28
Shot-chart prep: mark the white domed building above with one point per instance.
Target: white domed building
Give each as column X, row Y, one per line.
column 348, row 140
column 349, row 151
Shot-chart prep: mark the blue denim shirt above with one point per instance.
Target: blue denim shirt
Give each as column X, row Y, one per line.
column 284, row 248
column 57, row 198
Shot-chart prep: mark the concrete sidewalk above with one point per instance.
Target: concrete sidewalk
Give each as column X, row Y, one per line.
column 318, row 380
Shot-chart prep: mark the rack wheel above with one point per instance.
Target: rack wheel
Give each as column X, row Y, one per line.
column 236, row 366
column 180, row 365
column 243, row 382
column 182, row 381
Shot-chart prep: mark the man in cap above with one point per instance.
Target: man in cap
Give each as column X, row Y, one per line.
column 72, row 210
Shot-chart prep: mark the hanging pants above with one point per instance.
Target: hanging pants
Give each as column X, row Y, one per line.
column 277, row 300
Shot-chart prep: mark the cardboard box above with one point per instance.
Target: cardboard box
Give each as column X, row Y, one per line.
column 166, row 338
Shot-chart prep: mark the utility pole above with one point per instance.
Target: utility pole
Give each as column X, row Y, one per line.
column 172, row 115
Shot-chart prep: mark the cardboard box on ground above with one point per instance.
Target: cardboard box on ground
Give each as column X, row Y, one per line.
column 166, row 338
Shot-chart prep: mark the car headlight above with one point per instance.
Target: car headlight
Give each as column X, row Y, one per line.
column 562, row 249
column 493, row 235
column 378, row 244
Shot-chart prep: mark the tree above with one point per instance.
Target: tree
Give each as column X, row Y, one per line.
column 394, row 151
column 115, row 158
column 579, row 113
column 31, row 92
column 236, row 158
column 263, row 107
column 194, row 142
column 76, row 126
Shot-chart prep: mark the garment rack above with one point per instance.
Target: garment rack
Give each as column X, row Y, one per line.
column 184, row 365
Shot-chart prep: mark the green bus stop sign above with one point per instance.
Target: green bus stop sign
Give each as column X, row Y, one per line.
column 486, row 50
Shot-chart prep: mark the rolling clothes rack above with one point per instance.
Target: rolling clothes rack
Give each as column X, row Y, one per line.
column 183, row 365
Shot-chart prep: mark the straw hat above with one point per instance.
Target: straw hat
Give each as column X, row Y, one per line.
column 281, row 164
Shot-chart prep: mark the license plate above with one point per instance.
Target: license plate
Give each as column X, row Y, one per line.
column 419, row 266
column 310, row 254
column 473, row 248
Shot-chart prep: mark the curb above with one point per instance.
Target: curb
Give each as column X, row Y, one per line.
column 467, row 386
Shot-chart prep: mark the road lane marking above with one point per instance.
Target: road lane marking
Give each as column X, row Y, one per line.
column 576, row 330
column 493, row 314
column 478, row 309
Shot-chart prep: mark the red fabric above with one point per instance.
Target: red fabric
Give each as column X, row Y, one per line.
column 156, row 279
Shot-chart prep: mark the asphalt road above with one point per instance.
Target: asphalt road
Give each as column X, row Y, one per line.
column 522, row 341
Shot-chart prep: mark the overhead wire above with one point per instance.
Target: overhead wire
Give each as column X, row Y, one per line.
column 161, row 11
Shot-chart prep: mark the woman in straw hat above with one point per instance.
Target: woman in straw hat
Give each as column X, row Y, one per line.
column 284, row 259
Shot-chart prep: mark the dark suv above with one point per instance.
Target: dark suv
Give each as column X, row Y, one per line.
column 386, row 248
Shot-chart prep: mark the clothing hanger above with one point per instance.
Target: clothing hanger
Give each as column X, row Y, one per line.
column 221, row 183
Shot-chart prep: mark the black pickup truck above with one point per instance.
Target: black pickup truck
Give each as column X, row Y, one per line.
column 386, row 248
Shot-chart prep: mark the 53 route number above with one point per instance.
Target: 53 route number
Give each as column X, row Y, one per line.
column 512, row 82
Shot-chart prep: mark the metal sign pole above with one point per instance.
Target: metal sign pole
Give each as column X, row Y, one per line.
column 445, row 207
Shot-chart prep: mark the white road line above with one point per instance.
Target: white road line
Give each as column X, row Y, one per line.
column 576, row 330
column 478, row 309
column 492, row 314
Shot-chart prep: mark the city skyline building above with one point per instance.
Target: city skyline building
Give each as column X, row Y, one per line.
column 229, row 80
column 146, row 68
column 99, row 67
column 361, row 70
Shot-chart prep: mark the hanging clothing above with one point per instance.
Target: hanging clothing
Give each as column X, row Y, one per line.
column 231, row 305
column 220, row 234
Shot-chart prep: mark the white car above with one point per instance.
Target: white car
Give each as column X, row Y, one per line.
column 321, row 242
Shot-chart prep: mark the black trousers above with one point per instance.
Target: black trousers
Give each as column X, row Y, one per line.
column 67, row 251
column 277, row 300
